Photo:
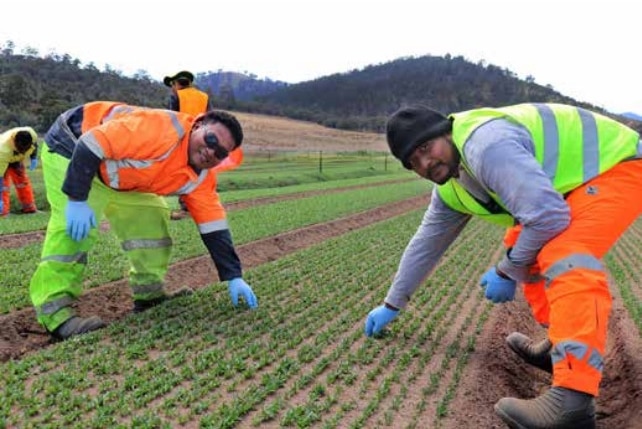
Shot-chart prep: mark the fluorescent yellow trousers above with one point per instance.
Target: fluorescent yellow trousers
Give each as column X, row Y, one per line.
column 139, row 220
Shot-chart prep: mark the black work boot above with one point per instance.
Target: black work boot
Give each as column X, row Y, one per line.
column 141, row 305
column 536, row 354
column 558, row 408
column 77, row 325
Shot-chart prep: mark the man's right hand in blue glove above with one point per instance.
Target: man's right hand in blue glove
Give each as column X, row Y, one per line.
column 237, row 287
column 378, row 319
column 80, row 219
column 498, row 289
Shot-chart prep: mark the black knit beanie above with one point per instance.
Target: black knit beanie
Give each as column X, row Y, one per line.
column 411, row 126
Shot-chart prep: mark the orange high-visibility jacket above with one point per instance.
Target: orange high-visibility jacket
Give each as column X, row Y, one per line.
column 146, row 150
column 192, row 100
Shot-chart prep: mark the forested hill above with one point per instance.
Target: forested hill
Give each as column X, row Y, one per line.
column 361, row 99
column 34, row 90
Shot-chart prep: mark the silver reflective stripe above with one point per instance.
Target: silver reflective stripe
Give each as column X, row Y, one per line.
column 177, row 125
column 572, row 262
column 115, row 165
column 143, row 289
column 52, row 306
column 596, row 361
column 579, row 351
column 118, row 110
column 112, row 175
column 551, row 140
column 590, row 141
column 591, row 148
column 80, row 257
column 217, row 225
column 93, row 145
column 146, row 243
column 190, row 186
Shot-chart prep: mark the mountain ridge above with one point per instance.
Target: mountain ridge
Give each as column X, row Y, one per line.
column 35, row 90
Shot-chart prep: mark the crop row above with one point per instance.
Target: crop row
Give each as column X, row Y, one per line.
column 300, row 360
column 107, row 263
column 38, row 221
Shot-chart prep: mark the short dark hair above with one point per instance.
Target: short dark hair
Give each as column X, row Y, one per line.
column 23, row 141
column 227, row 119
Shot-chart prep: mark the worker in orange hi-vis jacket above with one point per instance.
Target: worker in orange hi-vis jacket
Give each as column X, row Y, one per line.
column 566, row 182
column 16, row 145
column 111, row 159
column 186, row 98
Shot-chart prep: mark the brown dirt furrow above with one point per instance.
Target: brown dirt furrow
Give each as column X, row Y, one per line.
column 21, row 333
column 14, row 241
column 493, row 366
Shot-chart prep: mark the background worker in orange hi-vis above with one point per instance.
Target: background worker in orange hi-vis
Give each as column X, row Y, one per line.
column 566, row 182
column 16, row 145
column 186, row 98
column 111, row 159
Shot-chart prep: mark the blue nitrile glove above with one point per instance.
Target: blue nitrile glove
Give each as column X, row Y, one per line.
column 33, row 164
column 378, row 319
column 498, row 288
column 238, row 287
column 80, row 219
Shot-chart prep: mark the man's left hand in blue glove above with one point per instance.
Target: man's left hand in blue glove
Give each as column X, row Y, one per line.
column 237, row 287
column 33, row 164
column 80, row 219
column 498, row 289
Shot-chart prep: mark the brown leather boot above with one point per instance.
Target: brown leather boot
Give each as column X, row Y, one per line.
column 536, row 354
column 142, row 305
column 558, row 408
column 77, row 325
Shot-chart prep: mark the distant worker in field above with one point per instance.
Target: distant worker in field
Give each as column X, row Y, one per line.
column 113, row 159
column 566, row 182
column 186, row 98
column 16, row 145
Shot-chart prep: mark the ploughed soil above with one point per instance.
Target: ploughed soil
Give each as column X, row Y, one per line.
column 493, row 371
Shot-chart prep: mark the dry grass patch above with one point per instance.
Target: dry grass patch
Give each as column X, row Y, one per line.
column 264, row 132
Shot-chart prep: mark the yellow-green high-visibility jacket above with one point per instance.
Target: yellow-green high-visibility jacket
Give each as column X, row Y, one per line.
column 8, row 152
column 573, row 145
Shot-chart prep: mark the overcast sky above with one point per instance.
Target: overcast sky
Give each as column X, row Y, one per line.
column 586, row 49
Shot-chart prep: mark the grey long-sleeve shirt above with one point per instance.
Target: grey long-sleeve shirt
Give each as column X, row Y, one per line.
column 501, row 157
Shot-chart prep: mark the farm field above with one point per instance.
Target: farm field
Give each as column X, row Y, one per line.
column 319, row 255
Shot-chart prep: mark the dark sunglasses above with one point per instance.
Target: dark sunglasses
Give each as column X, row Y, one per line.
column 212, row 142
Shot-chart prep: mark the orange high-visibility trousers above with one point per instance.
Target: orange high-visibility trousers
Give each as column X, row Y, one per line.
column 574, row 299
column 533, row 292
column 17, row 173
